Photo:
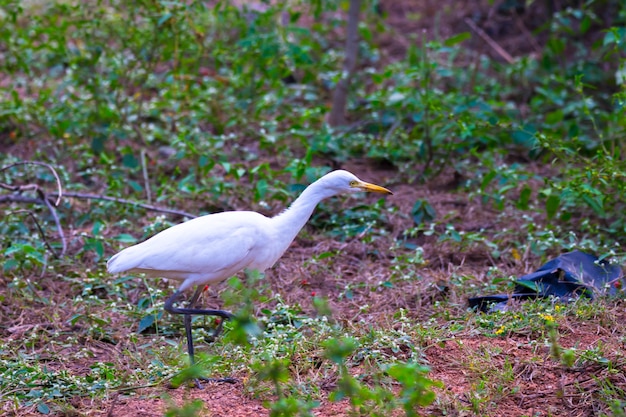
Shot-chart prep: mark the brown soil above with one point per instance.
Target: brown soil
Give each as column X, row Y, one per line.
column 539, row 386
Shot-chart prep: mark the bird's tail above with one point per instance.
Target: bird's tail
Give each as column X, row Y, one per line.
column 121, row 262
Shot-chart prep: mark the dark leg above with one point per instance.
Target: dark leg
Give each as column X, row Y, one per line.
column 188, row 312
column 190, row 350
column 187, row 321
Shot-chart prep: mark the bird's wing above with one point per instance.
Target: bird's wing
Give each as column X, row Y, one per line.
column 213, row 247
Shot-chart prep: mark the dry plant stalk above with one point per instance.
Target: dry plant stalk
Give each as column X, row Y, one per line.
column 52, row 200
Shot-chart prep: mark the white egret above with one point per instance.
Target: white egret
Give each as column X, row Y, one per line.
column 212, row 248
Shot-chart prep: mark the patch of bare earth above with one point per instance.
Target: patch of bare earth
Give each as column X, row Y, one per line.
column 538, row 384
column 218, row 399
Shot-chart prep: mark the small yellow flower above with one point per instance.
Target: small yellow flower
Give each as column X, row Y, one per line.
column 500, row 330
column 547, row 317
column 558, row 308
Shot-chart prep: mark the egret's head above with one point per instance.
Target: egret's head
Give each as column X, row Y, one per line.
column 345, row 182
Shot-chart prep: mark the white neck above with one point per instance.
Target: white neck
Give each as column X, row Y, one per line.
column 288, row 223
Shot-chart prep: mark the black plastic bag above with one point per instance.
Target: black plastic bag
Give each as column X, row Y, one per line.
column 568, row 276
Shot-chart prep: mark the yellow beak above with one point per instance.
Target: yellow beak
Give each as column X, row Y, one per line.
column 366, row 186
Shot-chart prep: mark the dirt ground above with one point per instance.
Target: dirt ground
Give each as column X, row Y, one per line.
column 541, row 387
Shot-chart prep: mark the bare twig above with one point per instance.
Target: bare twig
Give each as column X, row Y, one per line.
column 52, row 200
column 42, row 199
column 15, row 198
column 392, row 129
column 53, row 212
column 34, row 186
column 149, row 207
column 504, row 54
column 42, row 233
column 116, row 397
column 146, row 181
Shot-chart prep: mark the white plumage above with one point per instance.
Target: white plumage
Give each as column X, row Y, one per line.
column 214, row 247
column 204, row 250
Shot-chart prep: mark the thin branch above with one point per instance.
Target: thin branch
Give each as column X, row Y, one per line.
column 392, row 129
column 19, row 188
column 15, row 198
column 43, row 234
column 33, row 186
column 50, row 202
column 146, row 181
column 504, row 54
column 149, row 207
column 53, row 212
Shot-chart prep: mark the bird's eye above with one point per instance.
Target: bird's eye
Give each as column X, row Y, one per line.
column 352, row 183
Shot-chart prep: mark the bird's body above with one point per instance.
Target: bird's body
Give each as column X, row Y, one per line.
column 214, row 247
column 204, row 250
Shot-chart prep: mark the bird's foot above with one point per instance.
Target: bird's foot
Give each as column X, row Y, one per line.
column 218, row 329
column 225, row 380
column 198, row 382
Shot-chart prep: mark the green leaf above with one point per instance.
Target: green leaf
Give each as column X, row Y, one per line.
column 97, row 227
column 261, row 189
column 324, row 255
column 524, row 198
column 609, row 38
column 524, row 137
column 146, row 322
column 556, row 46
column 74, row 319
column 531, row 285
column 244, row 329
column 487, row 179
column 43, row 408
column 554, row 117
column 458, row 38
column 125, row 238
column 294, row 16
column 98, row 247
column 552, row 205
column 10, row 264
column 585, row 24
column 129, row 160
column 595, row 202
column 423, row 212
column 188, row 374
column 135, row 185
column 97, row 144
column 338, row 350
column 322, row 308
column 13, row 249
column 164, row 18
